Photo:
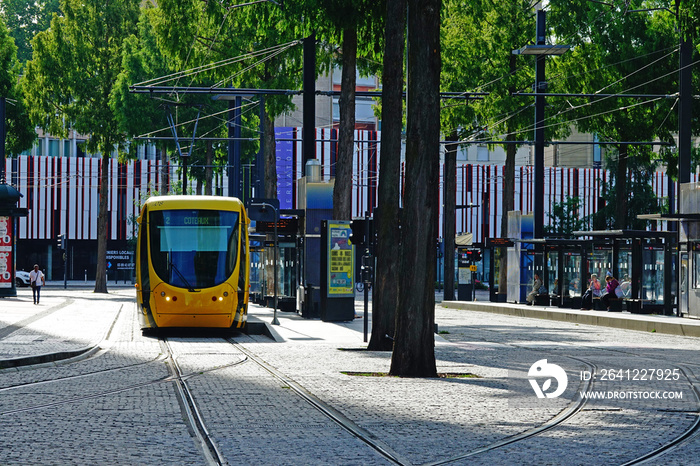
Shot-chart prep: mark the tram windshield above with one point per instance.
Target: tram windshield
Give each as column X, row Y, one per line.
column 194, row 248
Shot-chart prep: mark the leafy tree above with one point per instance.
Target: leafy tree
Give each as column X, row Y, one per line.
column 69, row 82
column 478, row 40
column 196, row 34
column 20, row 133
column 621, row 51
column 414, row 345
column 355, row 25
column 565, row 218
column 141, row 60
column 641, row 198
column 25, row 19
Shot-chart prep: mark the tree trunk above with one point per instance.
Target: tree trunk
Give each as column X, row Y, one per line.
column 270, row 157
column 450, row 207
column 621, row 189
column 386, row 293
column 102, row 233
column 414, row 346
column 342, row 191
column 209, row 170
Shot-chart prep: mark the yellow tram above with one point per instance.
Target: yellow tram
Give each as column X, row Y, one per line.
column 192, row 262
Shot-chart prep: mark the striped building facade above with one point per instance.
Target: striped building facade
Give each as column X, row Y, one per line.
column 62, row 194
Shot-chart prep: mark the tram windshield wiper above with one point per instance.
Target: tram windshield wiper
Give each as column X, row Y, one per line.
column 179, row 274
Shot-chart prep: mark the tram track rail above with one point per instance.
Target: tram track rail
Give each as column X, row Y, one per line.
column 679, row 440
column 213, row 455
column 336, row 416
column 692, row 431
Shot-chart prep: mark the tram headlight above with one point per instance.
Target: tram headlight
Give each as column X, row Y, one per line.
column 221, row 298
column 225, row 294
column 162, row 293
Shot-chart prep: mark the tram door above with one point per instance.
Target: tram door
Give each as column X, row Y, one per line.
column 683, row 302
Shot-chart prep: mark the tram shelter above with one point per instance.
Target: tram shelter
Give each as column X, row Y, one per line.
column 642, row 261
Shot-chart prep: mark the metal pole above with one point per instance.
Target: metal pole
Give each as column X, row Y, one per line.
column 260, row 160
column 2, row 140
column 684, row 110
column 366, row 277
column 184, row 174
column 65, row 261
column 309, row 99
column 274, row 318
column 540, row 84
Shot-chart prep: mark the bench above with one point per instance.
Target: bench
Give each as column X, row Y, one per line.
column 554, row 299
column 633, row 305
column 636, row 305
column 542, row 299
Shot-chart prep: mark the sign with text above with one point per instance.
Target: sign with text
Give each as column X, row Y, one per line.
column 340, row 260
column 120, row 260
column 6, row 261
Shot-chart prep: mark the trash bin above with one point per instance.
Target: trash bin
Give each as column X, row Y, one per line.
column 311, row 308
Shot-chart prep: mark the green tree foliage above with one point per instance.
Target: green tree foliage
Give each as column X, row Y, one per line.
column 357, row 27
column 640, row 195
column 617, row 51
column 70, row 81
column 478, row 38
column 565, row 218
column 25, row 19
column 19, row 131
column 195, row 34
column 142, row 114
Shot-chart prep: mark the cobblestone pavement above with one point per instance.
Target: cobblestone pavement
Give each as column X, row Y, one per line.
column 119, row 404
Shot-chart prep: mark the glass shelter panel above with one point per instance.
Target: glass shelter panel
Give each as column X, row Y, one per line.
column 498, row 254
column 696, row 266
column 552, row 271
column 571, row 284
column 600, row 262
column 653, row 274
column 624, row 269
column 286, row 270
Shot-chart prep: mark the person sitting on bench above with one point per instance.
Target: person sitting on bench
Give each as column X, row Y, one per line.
column 610, row 290
column 536, row 285
column 592, row 291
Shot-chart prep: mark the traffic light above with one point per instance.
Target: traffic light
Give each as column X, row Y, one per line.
column 61, row 242
column 477, row 255
column 357, row 234
column 473, row 255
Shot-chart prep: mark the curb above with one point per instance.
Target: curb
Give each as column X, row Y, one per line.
column 652, row 324
column 46, row 358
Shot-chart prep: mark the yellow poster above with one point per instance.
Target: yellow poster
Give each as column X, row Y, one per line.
column 340, row 260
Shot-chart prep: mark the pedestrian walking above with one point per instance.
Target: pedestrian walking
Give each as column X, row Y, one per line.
column 37, row 280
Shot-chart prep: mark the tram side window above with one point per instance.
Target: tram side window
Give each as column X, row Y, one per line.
column 696, row 275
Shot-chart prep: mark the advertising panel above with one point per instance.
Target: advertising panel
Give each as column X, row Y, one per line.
column 340, row 267
column 6, row 260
